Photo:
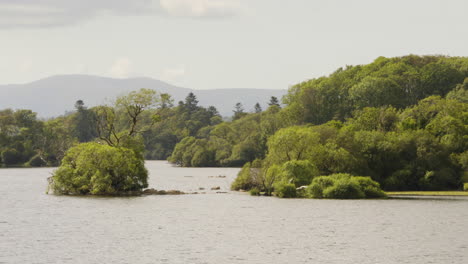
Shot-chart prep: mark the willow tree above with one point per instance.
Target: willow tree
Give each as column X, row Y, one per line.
column 115, row 164
column 115, row 125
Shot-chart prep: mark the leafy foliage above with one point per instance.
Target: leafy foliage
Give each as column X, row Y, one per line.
column 92, row 168
column 344, row 186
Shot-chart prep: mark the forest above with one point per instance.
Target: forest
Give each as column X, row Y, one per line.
column 400, row 121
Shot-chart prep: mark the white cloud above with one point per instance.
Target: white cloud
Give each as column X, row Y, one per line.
column 121, row 68
column 201, row 8
column 42, row 13
column 173, row 73
column 53, row 13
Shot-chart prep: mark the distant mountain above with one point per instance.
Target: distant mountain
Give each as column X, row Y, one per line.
column 55, row 95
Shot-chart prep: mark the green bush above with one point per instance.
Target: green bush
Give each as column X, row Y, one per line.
column 244, row 180
column 370, row 188
column 465, row 187
column 285, row 190
column 92, row 168
column 315, row 189
column 254, row 191
column 11, row 156
column 344, row 189
column 344, row 186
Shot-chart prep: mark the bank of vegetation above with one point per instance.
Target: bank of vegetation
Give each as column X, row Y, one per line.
column 397, row 124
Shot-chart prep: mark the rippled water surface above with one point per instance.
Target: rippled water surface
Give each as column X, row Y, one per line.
column 221, row 228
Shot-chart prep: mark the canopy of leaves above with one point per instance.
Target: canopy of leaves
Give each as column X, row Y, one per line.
column 92, row 168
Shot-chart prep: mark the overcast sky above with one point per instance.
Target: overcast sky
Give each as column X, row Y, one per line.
column 206, row 44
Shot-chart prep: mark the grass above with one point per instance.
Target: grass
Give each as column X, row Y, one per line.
column 429, row 193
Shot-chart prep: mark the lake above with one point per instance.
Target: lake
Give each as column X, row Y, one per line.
column 221, row 227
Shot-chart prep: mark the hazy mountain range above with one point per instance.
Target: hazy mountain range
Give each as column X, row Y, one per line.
column 55, row 95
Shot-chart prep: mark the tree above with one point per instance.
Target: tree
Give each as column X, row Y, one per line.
column 54, row 141
column 257, row 108
column 274, row 101
column 238, row 111
column 83, row 123
column 166, row 100
column 191, row 102
column 132, row 105
column 292, row 143
column 92, row 168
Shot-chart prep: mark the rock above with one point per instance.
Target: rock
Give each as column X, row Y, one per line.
column 150, row 191
column 219, row 176
column 216, row 188
column 174, row 192
column 162, row 192
column 201, row 189
column 221, row 192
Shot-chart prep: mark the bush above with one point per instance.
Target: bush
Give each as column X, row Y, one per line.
column 36, row 161
column 285, row 190
column 315, row 189
column 465, row 187
column 11, row 156
column 92, row 168
column 244, row 180
column 254, row 191
column 370, row 188
column 344, row 186
column 344, row 189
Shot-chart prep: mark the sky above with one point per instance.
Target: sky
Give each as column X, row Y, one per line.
column 212, row 44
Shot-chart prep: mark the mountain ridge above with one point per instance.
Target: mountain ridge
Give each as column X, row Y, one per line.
column 55, row 95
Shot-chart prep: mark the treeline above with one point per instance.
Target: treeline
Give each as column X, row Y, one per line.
column 28, row 141
column 401, row 121
column 420, row 148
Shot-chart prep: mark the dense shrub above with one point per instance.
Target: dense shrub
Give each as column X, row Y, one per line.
column 11, row 156
column 315, row 189
column 285, row 190
column 92, row 168
column 465, row 187
column 254, row 191
column 370, row 188
column 344, row 186
column 344, row 189
column 244, row 180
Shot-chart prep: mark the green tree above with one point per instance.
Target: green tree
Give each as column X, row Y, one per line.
column 238, row 111
column 257, row 108
column 292, row 143
column 83, row 121
column 92, row 168
column 274, row 101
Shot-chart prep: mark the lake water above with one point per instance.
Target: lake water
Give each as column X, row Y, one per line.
column 221, row 228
